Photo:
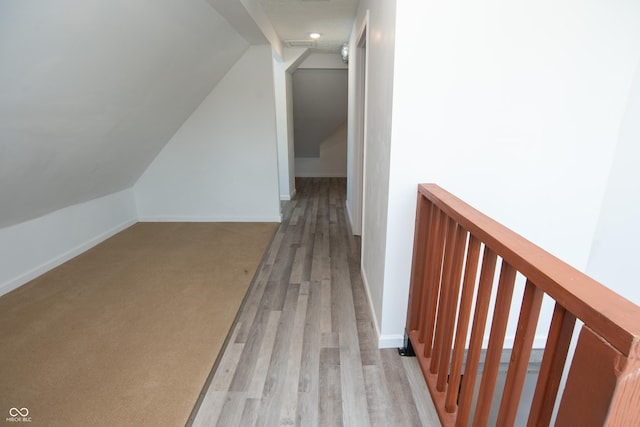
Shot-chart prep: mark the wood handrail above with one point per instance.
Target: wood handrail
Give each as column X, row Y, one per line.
column 448, row 272
column 607, row 313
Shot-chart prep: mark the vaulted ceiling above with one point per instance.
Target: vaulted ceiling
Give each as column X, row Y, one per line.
column 91, row 91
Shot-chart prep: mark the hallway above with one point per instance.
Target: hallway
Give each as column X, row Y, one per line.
column 303, row 350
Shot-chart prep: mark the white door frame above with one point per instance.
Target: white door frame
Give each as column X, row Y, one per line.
column 360, row 129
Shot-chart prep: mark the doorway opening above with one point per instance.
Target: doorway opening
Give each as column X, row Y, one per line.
column 320, row 97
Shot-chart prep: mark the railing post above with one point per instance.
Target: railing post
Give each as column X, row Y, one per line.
column 603, row 385
column 423, row 222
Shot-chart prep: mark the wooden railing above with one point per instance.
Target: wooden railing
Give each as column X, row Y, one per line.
column 456, row 252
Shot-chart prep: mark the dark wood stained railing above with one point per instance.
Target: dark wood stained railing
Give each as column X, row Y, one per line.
column 456, row 252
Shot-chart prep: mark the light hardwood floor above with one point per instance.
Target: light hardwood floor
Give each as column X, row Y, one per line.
column 303, row 350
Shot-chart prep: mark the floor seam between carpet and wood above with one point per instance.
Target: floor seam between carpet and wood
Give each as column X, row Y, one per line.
column 228, row 337
column 126, row 333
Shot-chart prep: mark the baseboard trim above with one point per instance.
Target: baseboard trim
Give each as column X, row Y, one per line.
column 320, row 175
column 287, row 197
column 391, row 341
column 24, row 278
column 365, row 284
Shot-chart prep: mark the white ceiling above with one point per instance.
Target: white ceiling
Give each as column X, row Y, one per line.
column 295, row 19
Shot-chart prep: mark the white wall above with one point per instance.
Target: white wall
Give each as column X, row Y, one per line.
column 514, row 107
column 380, row 51
column 255, row 9
column 92, row 91
column 332, row 161
column 319, row 60
column 31, row 248
column 615, row 251
column 222, row 163
column 284, row 117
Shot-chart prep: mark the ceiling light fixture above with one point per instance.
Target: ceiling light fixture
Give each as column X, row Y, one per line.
column 314, row 35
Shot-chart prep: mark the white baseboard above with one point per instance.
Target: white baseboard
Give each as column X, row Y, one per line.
column 391, row 341
column 365, row 282
column 26, row 277
column 31, row 248
column 320, row 175
column 58, row 259
column 287, row 197
column 387, row 340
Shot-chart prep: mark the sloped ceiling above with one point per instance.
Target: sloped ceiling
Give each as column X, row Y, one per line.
column 92, row 90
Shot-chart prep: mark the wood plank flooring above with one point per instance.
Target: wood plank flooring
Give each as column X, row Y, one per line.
column 303, row 350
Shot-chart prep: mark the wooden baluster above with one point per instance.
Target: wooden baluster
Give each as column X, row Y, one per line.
column 519, row 363
column 445, row 290
column 435, row 280
column 496, row 341
column 418, row 282
column 466, row 300
column 485, row 285
column 552, row 366
column 451, row 307
column 427, row 295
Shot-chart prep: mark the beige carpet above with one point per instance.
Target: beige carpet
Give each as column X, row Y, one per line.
column 126, row 333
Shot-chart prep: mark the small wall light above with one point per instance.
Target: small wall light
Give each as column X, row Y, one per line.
column 344, row 52
column 314, row 35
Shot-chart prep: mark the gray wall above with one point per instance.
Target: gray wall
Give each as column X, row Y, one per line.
column 319, row 107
